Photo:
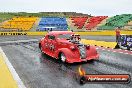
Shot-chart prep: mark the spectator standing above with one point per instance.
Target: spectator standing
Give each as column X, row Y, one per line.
column 117, row 30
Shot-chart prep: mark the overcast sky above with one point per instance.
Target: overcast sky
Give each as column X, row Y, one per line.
column 93, row 7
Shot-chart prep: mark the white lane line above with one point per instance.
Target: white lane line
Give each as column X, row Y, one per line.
column 103, row 49
column 97, row 48
column 120, row 52
column 12, row 70
column 116, row 51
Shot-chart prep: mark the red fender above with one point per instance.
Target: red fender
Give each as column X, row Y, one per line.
column 92, row 51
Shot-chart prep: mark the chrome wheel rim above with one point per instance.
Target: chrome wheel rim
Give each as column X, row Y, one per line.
column 63, row 58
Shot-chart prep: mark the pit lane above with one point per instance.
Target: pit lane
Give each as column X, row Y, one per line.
column 41, row 71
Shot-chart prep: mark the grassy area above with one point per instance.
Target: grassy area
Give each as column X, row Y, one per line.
column 8, row 15
column 5, row 16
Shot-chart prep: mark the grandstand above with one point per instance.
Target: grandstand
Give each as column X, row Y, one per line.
column 19, row 23
column 55, row 23
column 116, row 21
column 94, row 21
column 79, row 21
column 84, row 23
column 44, row 21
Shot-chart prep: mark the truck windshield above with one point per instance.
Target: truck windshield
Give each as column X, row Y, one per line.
column 64, row 36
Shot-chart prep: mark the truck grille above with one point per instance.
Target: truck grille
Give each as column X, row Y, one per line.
column 82, row 50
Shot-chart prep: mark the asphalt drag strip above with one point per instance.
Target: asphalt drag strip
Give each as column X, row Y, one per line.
column 100, row 38
column 38, row 70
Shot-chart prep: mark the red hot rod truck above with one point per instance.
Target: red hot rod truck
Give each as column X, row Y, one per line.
column 66, row 46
